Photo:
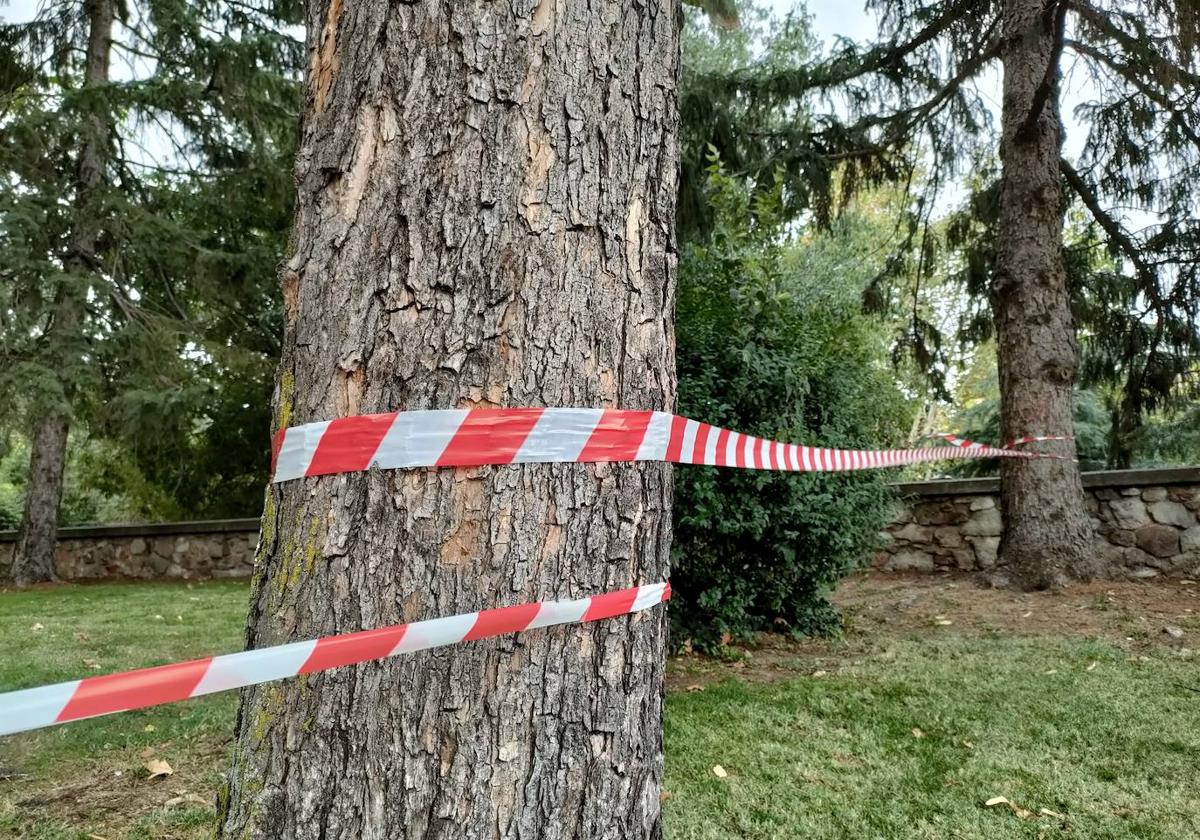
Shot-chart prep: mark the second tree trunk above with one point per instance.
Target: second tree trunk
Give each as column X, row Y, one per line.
column 1047, row 531
column 33, row 558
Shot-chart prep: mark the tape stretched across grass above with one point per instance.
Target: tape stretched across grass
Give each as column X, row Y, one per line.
column 45, row 706
column 460, row 438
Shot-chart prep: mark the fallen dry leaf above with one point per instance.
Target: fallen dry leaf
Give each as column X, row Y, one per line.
column 1023, row 813
column 664, row 796
column 719, row 771
column 968, row 745
column 917, row 733
column 1048, row 813
column 820, row 673
column 157, row 767
column 1093, row 666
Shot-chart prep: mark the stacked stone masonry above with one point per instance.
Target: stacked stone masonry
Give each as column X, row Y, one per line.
column 182, row 550
column 1147, row 525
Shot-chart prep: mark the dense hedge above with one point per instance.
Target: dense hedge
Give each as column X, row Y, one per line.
column 772, row 341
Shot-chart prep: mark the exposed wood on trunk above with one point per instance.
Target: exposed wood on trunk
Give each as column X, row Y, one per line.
column 33, row 558
column 1048, row 534
column 485, row 217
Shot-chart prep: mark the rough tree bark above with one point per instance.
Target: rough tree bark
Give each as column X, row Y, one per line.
column 33, row 558
column 1048, row 535
column 485, row 217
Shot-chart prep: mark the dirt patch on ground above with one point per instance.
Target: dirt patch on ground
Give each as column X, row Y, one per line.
column 892, row 603
column 878, row 606
column 104, row 799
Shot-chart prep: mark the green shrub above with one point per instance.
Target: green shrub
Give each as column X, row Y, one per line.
column 772, row 342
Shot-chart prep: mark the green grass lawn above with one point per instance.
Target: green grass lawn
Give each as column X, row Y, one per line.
column 903, row 728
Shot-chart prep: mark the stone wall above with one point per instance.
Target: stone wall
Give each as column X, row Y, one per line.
column 188, row 550
column 1147, row 524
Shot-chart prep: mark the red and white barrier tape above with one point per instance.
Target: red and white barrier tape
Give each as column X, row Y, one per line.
column 1021, row 441
column 468, row 438
column 45, row 706
column 458, row 438
column 954, row 440
column 963, row 443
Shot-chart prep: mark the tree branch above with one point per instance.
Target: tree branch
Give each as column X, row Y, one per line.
column 1116, row 234
column 1055, row 15
column 1133, row 79
column 1130, row 44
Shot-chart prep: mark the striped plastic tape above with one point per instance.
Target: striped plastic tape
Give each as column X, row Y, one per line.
column 963, row 443
column 468, row 438
column 45, row 706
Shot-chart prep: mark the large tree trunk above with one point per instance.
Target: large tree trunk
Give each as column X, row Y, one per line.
column 1048, row 535
column 33, row 559
column 485, row 217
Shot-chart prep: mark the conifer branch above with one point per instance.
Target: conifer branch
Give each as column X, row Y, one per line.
column 1136, row 80
column 1130, row 44
column 1055, row 15
column 1112, row 228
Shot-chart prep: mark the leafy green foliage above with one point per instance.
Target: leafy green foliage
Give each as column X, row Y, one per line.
column 906, row 110
column 771, row 341
column 754, row 135
column 171, row 358
column 100, row 485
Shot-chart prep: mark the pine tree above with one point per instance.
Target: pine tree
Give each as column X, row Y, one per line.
column 909, row 102
column 485, row 216
column 107, row 164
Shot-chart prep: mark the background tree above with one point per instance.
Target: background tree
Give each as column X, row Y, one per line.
column 100, row 211
column 1048, row 535
column 912, row 95
column 485, row 216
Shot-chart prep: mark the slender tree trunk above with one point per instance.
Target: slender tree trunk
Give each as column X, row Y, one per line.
column 33, row 559
column 1048, row 534
column 485, row 217
column 1126, row 424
